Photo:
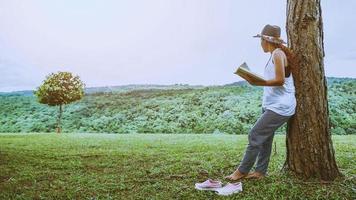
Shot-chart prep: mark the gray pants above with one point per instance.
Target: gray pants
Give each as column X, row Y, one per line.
column 260, row 141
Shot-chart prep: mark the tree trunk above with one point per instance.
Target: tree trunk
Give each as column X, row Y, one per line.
column 59, row 119
column 310, row 151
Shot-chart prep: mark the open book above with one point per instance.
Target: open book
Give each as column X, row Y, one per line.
column 243, row 70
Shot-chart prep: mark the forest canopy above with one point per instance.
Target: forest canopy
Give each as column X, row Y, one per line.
column 231, row 109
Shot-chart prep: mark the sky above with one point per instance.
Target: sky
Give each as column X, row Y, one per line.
column 120, row 42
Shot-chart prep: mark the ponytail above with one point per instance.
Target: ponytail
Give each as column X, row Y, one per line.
column 292, row 61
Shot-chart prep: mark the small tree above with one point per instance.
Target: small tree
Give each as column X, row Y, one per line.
column 60, row 89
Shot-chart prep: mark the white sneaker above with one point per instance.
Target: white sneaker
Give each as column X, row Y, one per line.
column 230, row 188
column 208, row 185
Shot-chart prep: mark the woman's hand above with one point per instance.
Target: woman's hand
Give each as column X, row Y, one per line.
column 253, row 81
column 278, row 59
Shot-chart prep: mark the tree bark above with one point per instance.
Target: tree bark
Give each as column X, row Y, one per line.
column 310, row 151
column 59, row 119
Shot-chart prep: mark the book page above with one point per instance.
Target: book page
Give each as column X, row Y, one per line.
column 243, row 70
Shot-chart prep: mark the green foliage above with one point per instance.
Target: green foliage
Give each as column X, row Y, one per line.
column 342, row 106
column 231, row 109
column 59, row 89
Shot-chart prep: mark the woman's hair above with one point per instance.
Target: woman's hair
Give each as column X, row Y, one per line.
column 292, row 61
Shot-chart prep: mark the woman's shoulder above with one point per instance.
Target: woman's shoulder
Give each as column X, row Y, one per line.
column 279, row 54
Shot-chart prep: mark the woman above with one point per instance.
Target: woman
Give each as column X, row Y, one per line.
column 278, row 105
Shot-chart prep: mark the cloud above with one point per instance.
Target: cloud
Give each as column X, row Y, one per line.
column 158, row 41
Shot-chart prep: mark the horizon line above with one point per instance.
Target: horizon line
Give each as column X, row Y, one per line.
column 155, row 84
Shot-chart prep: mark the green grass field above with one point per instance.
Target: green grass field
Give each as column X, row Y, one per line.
column 151, row 166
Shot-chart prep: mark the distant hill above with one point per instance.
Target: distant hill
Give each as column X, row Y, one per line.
column 231, row 108
column 126, row 88
column 131, row 87
column 18, row 93
column 115, row 89
column 239, row 83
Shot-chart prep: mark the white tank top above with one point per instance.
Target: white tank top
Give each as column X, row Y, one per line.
column 279, row 99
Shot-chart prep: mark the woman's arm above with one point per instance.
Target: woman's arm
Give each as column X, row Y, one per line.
column 279, row 69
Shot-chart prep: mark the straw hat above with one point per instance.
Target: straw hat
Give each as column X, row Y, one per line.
column 271, row 33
